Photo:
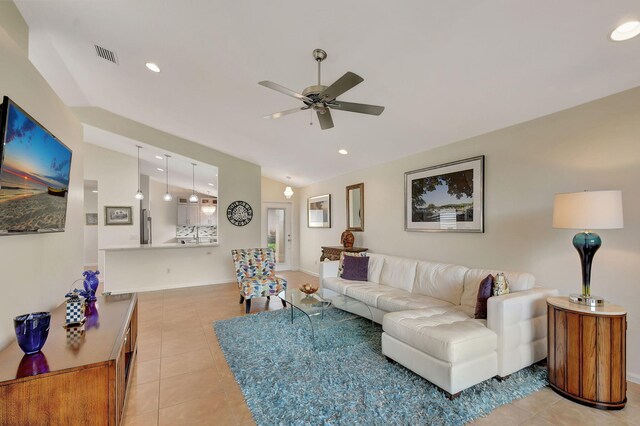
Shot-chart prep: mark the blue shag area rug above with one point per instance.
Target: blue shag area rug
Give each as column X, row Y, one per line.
column 342, row 378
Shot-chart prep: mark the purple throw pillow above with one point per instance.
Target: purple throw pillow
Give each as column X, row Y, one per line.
column 355, row 268
column 484, row 293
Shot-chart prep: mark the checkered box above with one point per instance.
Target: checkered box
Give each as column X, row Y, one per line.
column 75, row 309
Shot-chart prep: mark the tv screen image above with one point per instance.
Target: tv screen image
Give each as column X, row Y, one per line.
column 34, row 175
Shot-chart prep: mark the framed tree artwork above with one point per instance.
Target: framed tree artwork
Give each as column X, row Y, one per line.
column 319, row 211
column 445, row 198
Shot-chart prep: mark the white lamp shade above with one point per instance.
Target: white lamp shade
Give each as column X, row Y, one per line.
column 288, row 192
column 588, row 210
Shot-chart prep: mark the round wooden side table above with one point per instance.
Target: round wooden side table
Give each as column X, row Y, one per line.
column 586, row 354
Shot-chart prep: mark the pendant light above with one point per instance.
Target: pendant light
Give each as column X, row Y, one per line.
column 167, row 196
column 139, row 194
column 288, row 192
column 193, row 198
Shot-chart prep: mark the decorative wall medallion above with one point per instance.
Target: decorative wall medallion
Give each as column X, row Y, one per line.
column 239, row 213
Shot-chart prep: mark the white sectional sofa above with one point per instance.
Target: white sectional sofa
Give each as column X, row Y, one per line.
column 427, row 314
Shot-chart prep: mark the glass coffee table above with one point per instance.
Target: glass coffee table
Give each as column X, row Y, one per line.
column 320, row 304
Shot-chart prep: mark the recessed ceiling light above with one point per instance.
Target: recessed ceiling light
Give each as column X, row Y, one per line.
column 153, row 67
column 159, row 158
column 626, row 31
column 210, row 184
column 95, row 191
column 343, row 151
column 159, row 169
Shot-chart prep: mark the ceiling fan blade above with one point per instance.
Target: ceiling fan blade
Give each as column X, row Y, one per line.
column 341, row 85
column 282, row 89
column 326, row 122
column 287, row 112
column 361, row 108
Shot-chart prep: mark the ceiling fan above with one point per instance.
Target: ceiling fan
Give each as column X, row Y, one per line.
column 321, row 98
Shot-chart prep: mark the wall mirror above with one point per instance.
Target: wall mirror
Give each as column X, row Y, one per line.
column 355, row 207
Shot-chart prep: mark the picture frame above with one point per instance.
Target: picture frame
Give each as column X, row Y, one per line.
column 91, row 219
column 445, row 198
column 118, row 215
column 319, row 211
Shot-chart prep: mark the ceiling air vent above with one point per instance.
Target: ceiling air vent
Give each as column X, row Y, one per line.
column 106, row 54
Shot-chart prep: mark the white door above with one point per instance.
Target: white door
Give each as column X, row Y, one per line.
column 276, row 232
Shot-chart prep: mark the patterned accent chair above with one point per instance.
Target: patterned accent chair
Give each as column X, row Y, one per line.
column 256, row 275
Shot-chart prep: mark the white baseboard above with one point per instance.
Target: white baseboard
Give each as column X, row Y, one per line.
column 172, row 286
column 633, row 377
column 306, row 271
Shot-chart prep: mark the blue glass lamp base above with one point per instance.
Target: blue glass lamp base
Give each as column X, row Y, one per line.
column 587, row 243
column 581, row 299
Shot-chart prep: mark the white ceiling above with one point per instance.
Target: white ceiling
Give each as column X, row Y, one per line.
column 444, row 70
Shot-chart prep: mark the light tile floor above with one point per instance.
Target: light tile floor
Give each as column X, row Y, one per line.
column 182, row 378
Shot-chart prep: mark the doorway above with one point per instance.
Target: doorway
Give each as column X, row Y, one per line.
column 276, row 232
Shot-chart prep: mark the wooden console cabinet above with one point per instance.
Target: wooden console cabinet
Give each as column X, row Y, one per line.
column 333, row 253
column 79, row 377
column 587, row 353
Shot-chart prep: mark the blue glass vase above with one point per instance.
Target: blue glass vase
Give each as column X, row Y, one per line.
column 91, row 283
column 32, row 331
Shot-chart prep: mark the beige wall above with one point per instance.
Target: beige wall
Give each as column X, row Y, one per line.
column 593, row 146
column 117, row 179
column 37, row 270
column 273, row 192
column 90, row 231
column 14, row 25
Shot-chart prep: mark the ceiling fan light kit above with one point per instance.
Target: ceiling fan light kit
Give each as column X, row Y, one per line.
column 322, row 99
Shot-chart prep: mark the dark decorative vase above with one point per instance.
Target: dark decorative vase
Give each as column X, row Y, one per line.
column 91, row 283
column 32, row 331
column 32, row 365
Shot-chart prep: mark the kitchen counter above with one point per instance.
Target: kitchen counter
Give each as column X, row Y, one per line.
column 158, row 246
column 150, row 267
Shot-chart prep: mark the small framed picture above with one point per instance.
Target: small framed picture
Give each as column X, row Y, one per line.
column 91, row 219
column 445, row 198
column 118, row 215
column 319, row 211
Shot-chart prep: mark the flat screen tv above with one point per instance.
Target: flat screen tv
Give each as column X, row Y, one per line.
column 34, row 175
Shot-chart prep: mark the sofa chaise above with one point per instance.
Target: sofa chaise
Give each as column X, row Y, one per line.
column 427, row 314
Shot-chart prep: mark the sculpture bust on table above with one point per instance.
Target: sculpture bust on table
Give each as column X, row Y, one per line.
column 347, row 239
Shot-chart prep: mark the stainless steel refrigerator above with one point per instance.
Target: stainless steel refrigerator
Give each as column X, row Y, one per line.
column 145, row 227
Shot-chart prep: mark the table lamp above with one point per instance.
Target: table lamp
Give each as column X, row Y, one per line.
column 587, row 210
